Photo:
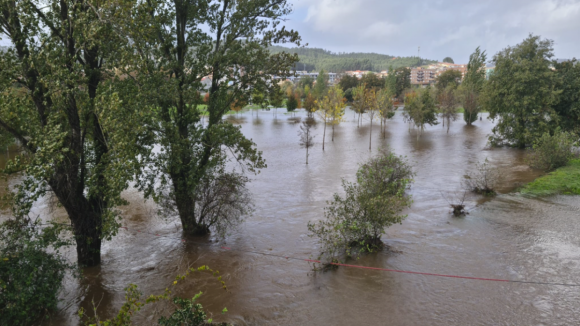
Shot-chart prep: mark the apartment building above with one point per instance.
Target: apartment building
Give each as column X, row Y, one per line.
column 423, row 76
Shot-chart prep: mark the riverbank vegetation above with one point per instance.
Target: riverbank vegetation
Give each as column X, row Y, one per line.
column 354, row 224
column 564, row 181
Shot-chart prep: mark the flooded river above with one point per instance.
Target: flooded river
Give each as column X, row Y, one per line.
column 507, row 237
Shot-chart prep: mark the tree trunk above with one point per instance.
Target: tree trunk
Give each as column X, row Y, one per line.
column 307, row 154
column 324, row 134
column 333, row 131
column 86, row 220
column 371, row 134
column 87, row 228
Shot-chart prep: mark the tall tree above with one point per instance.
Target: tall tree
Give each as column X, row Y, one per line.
column 386, row 109
column 276, row 97
column 521, row 92
column 338, row 105
column 305, row 81
column 421, row 109
column 359, row 104
column 398, row 81
column 448, row 105
column 176, row 44
column 371, row 80
column 78, row 136
column 347, row 82
column 448, row 78
column 310, row 105
column 291, row 102
column 324, row 113
column 373, row 107
column 568, row 105
column 472, row 85
column 321, row 85
column 306, row 138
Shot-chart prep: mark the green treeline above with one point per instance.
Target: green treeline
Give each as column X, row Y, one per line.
column 320, row 59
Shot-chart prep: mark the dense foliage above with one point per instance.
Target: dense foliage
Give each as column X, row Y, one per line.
column 421, row 109
column 31, row 271
column 319, row 59
column 398, row 82
column 77, row 136
column 472, row 86
column 226, row 42
column 528, row 96
column 355, row 223
column 448, row 78
column 553, row 151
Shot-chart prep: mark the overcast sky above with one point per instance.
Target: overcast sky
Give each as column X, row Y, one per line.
column 440, row 27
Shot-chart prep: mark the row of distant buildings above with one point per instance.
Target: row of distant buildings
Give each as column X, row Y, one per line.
column 420, row 76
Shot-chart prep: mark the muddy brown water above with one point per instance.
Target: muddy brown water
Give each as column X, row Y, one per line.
column 507, row 237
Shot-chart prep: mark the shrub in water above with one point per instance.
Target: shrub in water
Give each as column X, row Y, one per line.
column 355, row 223
column 483, row 180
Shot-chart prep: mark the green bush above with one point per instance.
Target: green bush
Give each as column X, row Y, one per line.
column 187, row 312
column 355, row 223
column 30, row 275
column 553, row 151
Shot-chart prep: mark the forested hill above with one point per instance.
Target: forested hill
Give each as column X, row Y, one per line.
column 317, row 59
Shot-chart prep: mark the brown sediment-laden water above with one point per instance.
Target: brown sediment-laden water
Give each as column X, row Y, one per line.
column 506, row 237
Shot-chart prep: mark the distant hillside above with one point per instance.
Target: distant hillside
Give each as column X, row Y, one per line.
column 317, row 59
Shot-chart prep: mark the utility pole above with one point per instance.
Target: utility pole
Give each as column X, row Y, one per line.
column 419, row 55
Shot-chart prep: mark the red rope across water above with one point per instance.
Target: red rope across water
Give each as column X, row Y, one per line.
column 365, row 267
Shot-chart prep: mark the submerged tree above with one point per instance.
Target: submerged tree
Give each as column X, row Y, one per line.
column 276, row 97
column 472, row 85
column 338, row 105
column 386, row 108
column 310, row 105
column 359, row 104
column 355, row 223
column 67, row 116
column 521, row 93
column 448, row 106
column 306, row 138
column 449, row 78
column 321, row 85
column 291, row 103
column 175, row 44
column 331, row 110
column 373, row 108
column 421, row 109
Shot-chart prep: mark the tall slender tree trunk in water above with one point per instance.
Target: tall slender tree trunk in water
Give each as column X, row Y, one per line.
column 324, row 134
column 371, row 135
column 332, row 131
column 306, row 154
column 448, row 124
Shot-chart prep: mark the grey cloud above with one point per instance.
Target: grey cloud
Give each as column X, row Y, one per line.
column 441, row 27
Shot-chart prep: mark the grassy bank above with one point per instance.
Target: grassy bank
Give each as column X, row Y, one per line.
column 565, row 180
